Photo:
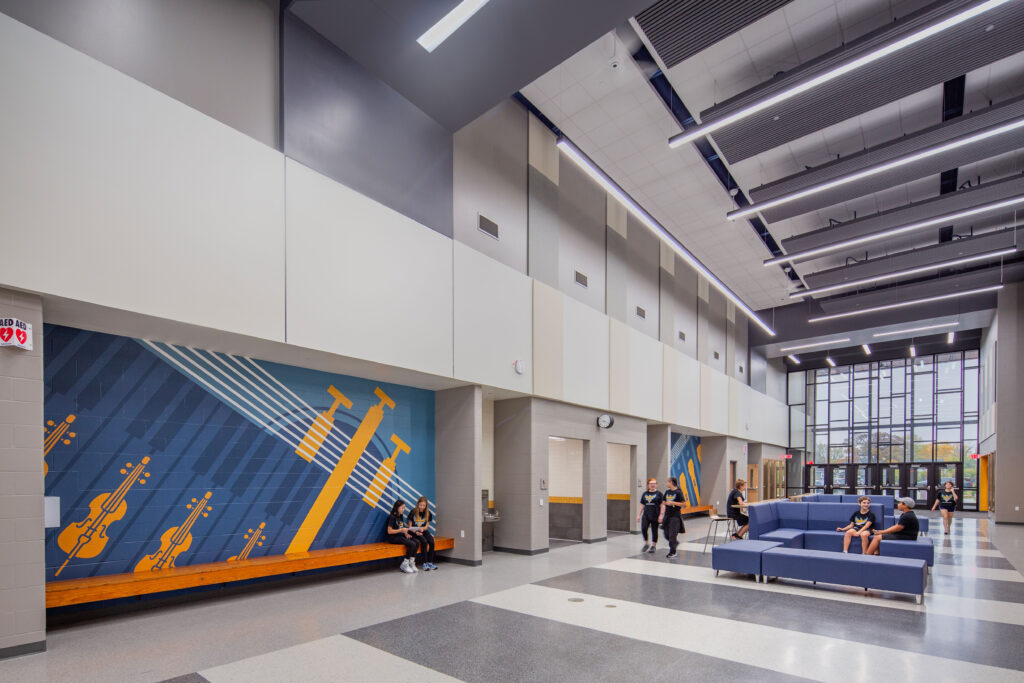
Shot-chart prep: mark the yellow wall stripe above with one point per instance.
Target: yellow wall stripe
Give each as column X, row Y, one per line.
column 565, row 499
column 618, row 496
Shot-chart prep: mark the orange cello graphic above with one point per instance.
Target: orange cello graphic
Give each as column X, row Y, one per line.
column 255, row 538
column 321, row 426
column 89, row 537
column 175, row 540
column 384, row 473
column 56, row 433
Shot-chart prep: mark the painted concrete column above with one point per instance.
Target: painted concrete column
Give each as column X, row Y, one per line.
column 22, row 555
column 595, row 491
column 458, row 472
column 715, row 482
column 518, row 468
column 1009, row 394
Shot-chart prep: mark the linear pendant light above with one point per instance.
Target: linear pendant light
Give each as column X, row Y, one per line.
column 845, row 68
column 904, row 304
column 449, row 24
column 828, row 359
column 830, row 342
column 944, row 219
column 902, row 273
column 867, row 349
column 875, row 170
column 793, row 358
column 923, row 328
column 611, row 187
column 950, row 337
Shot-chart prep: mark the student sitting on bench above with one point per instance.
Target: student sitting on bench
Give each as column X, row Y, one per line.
column 860, row 525
column 906, row 529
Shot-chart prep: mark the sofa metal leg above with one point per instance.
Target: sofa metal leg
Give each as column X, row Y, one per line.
column 716, row 572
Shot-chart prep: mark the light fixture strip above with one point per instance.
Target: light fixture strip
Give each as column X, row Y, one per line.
column 867, row 349
column 449, row 24
column 793, row 358
column 841, row 70
column 903, row 273
column 950, row 337
column 913, row 351
column 914, row 329
column 904, row 304
column 875, row 170
column 830, row 342
column 828, row 359
column 883, row 234
column 612, row 188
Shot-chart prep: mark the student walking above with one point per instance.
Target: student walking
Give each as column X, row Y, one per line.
column 398, row 533
column 671, row 517
column 648, row 513
column 419, row 525
column 947, row 500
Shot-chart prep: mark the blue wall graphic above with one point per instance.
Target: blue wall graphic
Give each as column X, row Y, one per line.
column 684, row 465
column 137, row 429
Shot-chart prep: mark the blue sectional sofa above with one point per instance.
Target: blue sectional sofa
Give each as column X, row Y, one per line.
column 812, row 526
column 902, row 575
column 888, row 504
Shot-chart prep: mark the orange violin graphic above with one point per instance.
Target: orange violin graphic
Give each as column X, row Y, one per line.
column 89, row 537
column 255, row 538
column 56, row 433
column 175, row 540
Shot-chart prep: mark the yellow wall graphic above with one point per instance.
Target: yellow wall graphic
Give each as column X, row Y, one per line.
column 254, row 538
column 55, row 434
column 175, row 540
column 89, row 537
column 384, row 473
column 693, row 480
column 321, row 426
column 324, row 502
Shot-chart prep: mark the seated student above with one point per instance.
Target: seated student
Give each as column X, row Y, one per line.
column 398, row 532
column 734, row 511
column 419, row 526
column 860, row 525
column 905, row 529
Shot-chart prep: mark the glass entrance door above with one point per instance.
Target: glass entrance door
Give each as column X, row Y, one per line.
column 839, row 479
column 925, row 481
column 889, row 481
column 816, row 479
column 865, row 479
column 949, row 471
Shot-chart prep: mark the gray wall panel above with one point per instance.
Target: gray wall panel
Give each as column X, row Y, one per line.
column 617, row 295
column 582, row 209
column 644, row 259
column 544, row 229
column 341, row 121
column 490, row 179
column 218, row 57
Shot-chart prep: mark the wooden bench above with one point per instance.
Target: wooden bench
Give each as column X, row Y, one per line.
column 697, row 510
column 96, row 588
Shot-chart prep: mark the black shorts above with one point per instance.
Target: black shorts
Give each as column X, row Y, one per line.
column 741, row 519
column 951, row 507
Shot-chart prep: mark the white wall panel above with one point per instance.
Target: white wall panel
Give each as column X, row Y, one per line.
column 585, row 357
column 363, row 280
column 565, row 467
column 645, row 375
column 115, row 194
column 681, row 388
column 548, row 341
column 618, row 367
column 493, row 321
column 714, row 400
column 619, row 478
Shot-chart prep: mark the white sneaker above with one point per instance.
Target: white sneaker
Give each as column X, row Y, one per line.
column 405, row 568
column 412, row 566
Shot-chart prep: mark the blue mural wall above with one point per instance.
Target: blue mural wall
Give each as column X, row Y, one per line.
column 684, row 465
column 165, row 455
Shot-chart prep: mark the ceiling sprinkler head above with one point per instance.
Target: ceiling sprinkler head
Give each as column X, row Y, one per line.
column 614, row 63
column 733, row 191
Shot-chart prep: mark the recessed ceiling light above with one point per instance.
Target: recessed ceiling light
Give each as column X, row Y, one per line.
column 611, row 187
column 910, row 330
column 830, row 342
column 867, row 349
column 878, row 168
column 831, row 74
column 449, row 24
column 903, row 273
column 904, row 304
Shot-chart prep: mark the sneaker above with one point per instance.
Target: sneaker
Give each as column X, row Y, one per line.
column 652, row 548
column 646, row 546
column 412, row 566
column 406, row 569
column 671, row 556
column 429, row 566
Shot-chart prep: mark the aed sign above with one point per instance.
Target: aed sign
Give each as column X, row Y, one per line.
column 14, row 332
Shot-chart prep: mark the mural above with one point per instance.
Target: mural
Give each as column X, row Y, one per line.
column 684, row 465
column 183, row 456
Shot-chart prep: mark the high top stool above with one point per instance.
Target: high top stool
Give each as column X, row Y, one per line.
column 716, row 519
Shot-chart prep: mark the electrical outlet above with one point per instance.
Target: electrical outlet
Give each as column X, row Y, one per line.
column 462, row 533
column 541, row 503
column 1016, row 508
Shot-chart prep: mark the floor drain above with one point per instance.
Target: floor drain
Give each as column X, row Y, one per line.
column 613, row 606
column 575, row 599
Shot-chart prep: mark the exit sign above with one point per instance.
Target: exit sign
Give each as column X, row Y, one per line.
column 14, row 332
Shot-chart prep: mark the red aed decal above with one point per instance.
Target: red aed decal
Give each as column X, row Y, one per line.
column 20, row 334
column 5, row 334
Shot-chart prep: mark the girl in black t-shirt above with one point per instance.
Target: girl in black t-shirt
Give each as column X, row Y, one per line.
column 947, row 500
column 647, row 515
column 398, row 533
column 419, row 525
column 672, row 504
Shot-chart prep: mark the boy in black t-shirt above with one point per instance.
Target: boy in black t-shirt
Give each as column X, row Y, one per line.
column 647, row 515
column 906, row 529
column 860, row 525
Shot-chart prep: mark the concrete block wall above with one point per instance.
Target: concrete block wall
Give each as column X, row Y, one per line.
column 22, row 560
column 458, row 420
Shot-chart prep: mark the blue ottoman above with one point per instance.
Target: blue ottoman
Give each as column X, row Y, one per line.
column 743, row 557
column 791, row 538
